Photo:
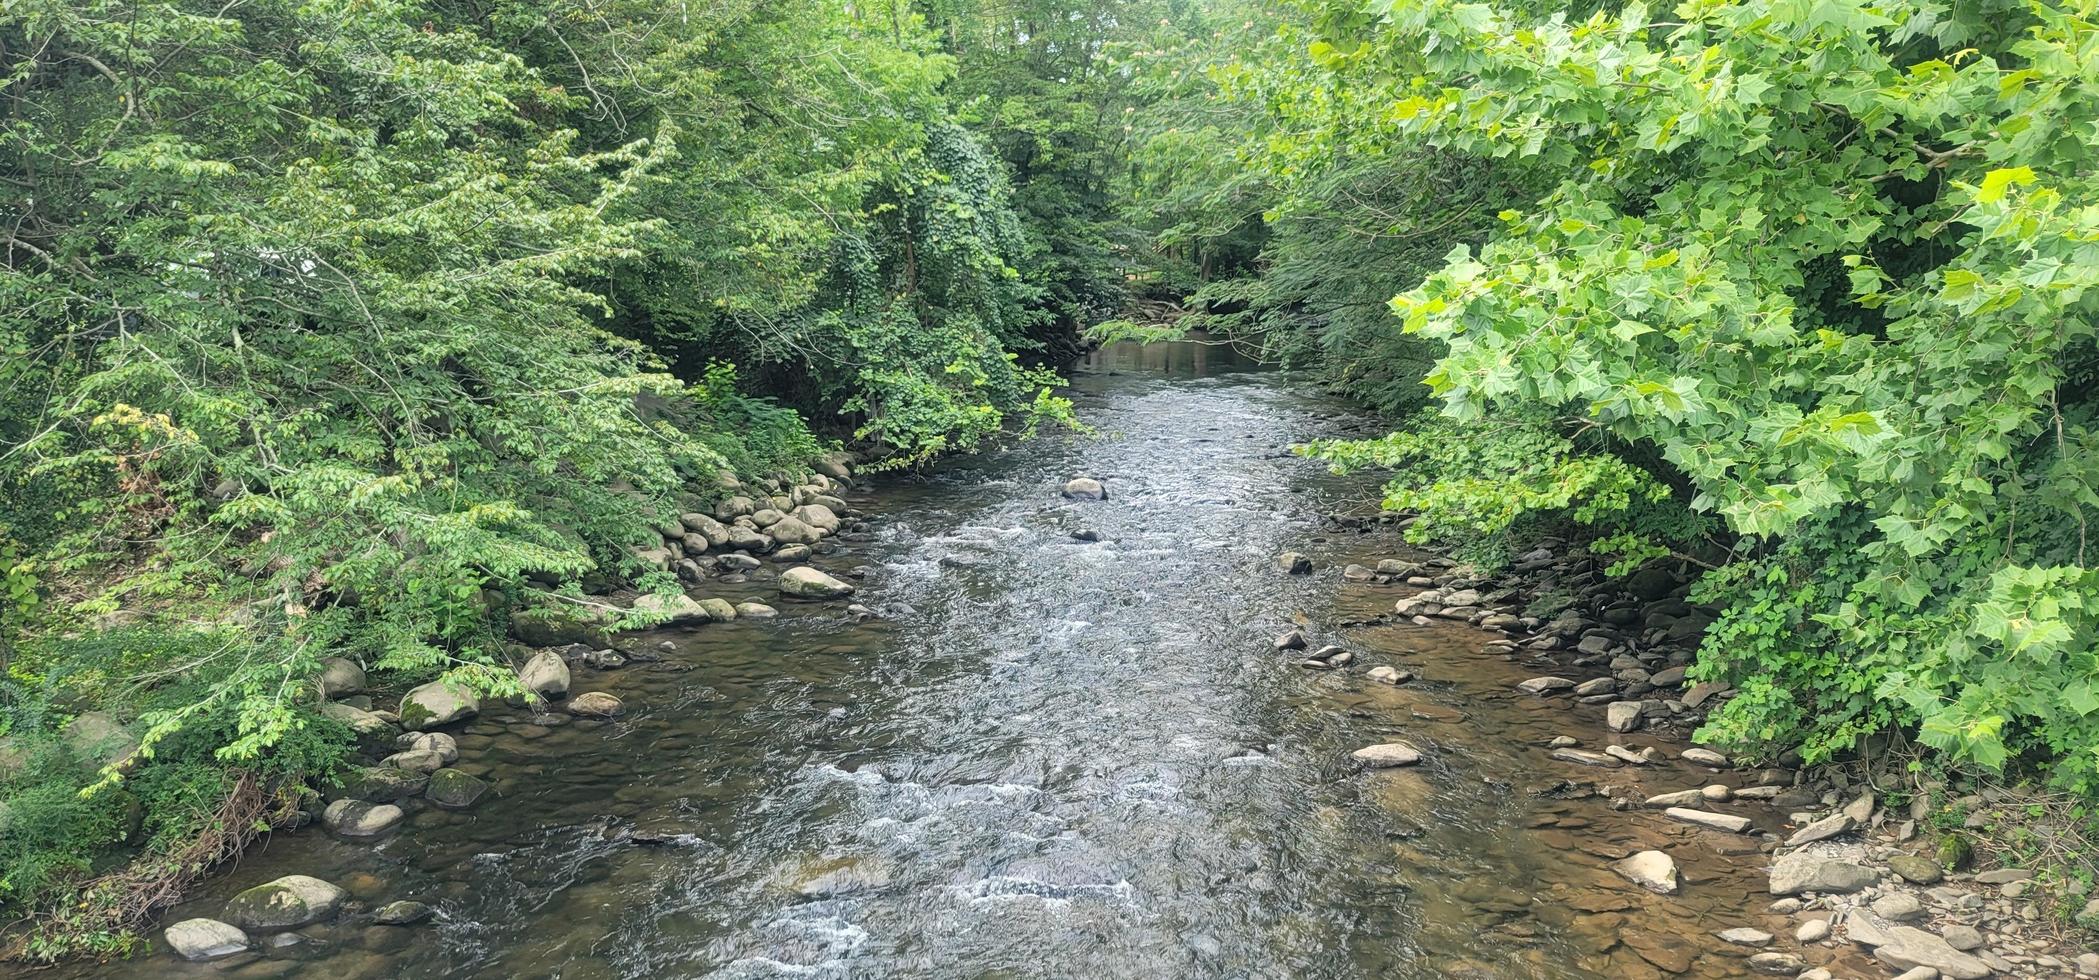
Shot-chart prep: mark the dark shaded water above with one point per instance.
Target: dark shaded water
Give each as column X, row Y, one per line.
column 1047, row 759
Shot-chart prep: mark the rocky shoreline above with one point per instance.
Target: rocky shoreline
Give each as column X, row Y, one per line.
column 1848, row 877
column 406, row 763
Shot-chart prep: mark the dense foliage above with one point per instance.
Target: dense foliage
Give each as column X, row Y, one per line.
column 1823, row 267
column 346, row 329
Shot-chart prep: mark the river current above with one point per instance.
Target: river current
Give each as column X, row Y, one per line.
column 1044, row 757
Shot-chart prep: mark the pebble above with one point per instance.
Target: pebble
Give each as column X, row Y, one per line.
column 1812, row 931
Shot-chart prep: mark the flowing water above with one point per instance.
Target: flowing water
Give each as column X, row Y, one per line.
column 1045, row 758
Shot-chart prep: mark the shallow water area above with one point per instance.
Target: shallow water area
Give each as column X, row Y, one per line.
column 1047, row 757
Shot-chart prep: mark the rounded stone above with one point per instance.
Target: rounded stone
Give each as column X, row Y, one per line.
column 286, row 903
column 595, row 704
column 205, row 939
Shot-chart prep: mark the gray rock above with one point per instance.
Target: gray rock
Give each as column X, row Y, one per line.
column 1294, row 563
column 367, row 725
column 1387, row 755
column 1704, row 757
column 817, row 516
column 755, row 610
column 1822, row 829
column 1907, row 947
column 1622, row 716
column 1688, row 797
column 545, row 674
column 766, row 517
column 1545, row 685
column 1807, row 871
column 454, row 790
column 338, row 677
column 444, row 745
column 672, row 610
column 1293, row 640
column 1717, row 821
column 790, row 530
column 1744, row 936
column 205, row 939
column 415, row 760
column 1961, row 937
column 1812, row 931
column 1586, row 758
column 1595, row 686
column 358, row 818
column 1898, row 907
column 1918, row 973
column 1389, row 675
column 437, row 703
column 286, row 903
column 1652, row 870
column 803, row 582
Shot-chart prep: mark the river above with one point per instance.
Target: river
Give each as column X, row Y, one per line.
column 1046, row 757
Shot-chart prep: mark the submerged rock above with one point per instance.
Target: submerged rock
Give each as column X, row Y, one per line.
column 1388, row 755
column 454, row 790
column 402, row 913
column 1544, row 685
column 595, row 704
column 287, row 903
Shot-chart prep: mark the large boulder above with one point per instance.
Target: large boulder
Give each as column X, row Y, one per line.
column 548, row 628
column 745, row 539
column 817, row 516
column 339, row 677
column 833, row 465
column 803, row 582
column 715, row 532
column 98, row 736
column 437, row 703
column 545, row 674
column 370, row 728
column 791, row 530
column 287, row 903
column 205, row 939
column 1813, row 871
column 381, row 784
column 361, row 818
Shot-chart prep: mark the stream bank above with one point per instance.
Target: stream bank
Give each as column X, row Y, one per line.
column 1063, row 743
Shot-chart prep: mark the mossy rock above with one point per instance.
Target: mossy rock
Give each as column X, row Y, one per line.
column 287, row 903
column 380, row 784
column 437, row 703
column 1955, row 853
column 551, row 629
column 454, row 790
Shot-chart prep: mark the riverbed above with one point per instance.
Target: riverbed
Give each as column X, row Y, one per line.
column 1048, row 757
